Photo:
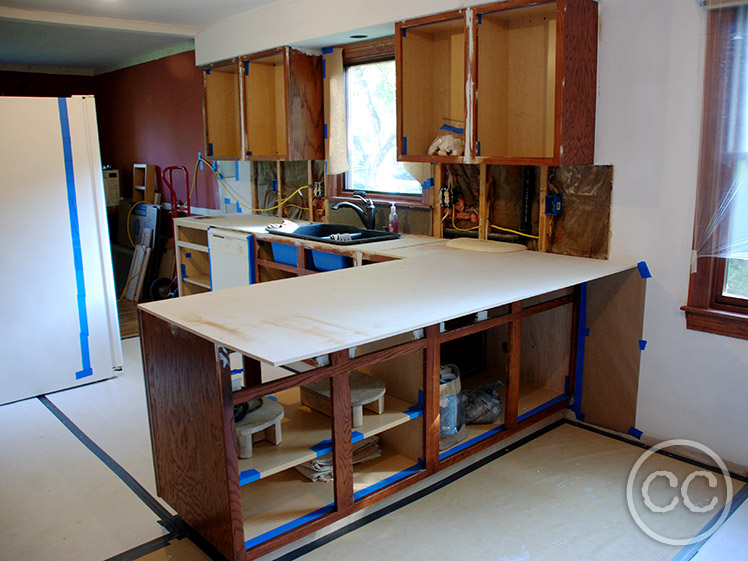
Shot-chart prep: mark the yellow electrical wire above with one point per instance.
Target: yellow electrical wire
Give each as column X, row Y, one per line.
column 129, row 235
column 243, row 203
column 515, row 232
column 461, row 229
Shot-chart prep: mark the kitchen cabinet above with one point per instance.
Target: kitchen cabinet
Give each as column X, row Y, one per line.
column 519, row 77
column 283, row 111
column 304, row 329
column 222, row 110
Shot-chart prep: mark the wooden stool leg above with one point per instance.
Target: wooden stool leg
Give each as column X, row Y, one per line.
column 245, row 445
column 357, row 415
column 273, row 434
column 376, row 407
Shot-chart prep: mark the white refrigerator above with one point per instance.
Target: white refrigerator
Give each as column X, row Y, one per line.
column 58, row 318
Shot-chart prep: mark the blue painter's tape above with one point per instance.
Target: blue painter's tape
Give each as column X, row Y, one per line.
column 467, row 443
column 248, row 476
column 325, row 167
column 405, row 145
column 579, row 367
column 237, row 371
column 327, row 51
column 356, row 436
column 642, row 344
column 236, row 170
column 643, row 270
column 428, row 184
column 289, row 526
column 214, row 167
column 226, row 201
column 275, row 185
column 414, row 411
column 480, row 19
column 184, row 271
column 210, row 149
column 251, row 258
column 272, row 397
column 246, row 68
column 543, row 407
column 188, row 254
column 207, row 71
column 388, row 481
column 200, row 159
column 249, row 152
column 75, row 238
column 636, row 433
column 324, row 68
column 479, row 147
column 580, row 417
column 322, row 448
column 238, row 207
column 451, row 128
column 324, row 130
column 404, row 31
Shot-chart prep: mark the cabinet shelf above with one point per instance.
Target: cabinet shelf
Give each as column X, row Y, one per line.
column 306, row 435
column 193, row 246
column 202, row 281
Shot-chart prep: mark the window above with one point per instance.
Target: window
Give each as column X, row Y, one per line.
column 370, row 77
column 371, row 123
column 718, row 290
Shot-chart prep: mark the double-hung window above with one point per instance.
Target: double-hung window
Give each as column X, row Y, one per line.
column 718, row 290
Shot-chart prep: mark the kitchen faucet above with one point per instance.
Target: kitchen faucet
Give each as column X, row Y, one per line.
column 366, row 216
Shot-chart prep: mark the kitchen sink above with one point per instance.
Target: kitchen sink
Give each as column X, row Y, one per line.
column 336, row 234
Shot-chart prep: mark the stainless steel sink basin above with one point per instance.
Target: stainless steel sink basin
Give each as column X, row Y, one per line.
column 336, row 234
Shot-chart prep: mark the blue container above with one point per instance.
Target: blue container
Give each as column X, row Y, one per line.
column 285, row 254
column 323, row 261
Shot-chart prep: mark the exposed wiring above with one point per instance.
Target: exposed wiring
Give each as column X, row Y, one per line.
column 515, row 232
column 242, row 203
column 461, row 229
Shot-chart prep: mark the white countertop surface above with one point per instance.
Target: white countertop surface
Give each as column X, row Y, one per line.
column 288, row 320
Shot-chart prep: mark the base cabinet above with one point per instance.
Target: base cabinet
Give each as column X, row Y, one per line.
column 247, row 507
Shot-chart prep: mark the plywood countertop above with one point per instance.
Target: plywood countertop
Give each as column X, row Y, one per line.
column 285, row 321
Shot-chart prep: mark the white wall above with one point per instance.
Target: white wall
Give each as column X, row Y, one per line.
column 692, row 385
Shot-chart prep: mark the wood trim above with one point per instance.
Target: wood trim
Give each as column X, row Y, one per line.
column 718, row 322
column 511, row 411
column 432, row 364
column 371, row 50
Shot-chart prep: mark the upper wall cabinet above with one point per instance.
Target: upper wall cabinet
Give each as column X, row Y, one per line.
column 221, row 110
column 283, row 111
column 520, row 75
column 430, row 55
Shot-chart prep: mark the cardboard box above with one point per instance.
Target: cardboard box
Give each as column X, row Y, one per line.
column 142, row 216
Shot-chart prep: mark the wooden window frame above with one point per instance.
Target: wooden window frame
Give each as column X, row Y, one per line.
column 361, row 52
column 708, row 309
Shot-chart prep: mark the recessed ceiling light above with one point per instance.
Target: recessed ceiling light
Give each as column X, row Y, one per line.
column 359, row 36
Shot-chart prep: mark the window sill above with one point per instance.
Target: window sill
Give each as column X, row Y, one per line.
column 719, row 322
column 384, row 199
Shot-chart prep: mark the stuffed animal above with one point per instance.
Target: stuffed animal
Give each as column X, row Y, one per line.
column 447, row 145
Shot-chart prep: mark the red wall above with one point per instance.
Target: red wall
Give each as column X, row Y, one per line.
column 152, row 114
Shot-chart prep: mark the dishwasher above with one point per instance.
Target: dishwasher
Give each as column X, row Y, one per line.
column 232, row 258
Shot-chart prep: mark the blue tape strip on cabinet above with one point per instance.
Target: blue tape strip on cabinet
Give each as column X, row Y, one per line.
column 236, row 170
column 636, row 433
column 289, row 526
column 405, row 146
column 226, row 201
column 271, row 397
column 238, row 208
column 75, row 235
column 642, row 344
column 200, row 159
column 643, row 270
column 388, row 481
column 251, row 258
column 248, row 476
column 582, row 333
column 467, row 443
column 327, row 51
column 321, row 448
column 428, row 184
column 246, row 68
column 543, row 407
column 237, row 371
column 324, row 68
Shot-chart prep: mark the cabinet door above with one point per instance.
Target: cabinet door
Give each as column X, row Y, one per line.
column 431, row 70
column 222, row 111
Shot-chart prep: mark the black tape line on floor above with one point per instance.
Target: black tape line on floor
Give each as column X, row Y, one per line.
column 164, row 515
column 142, row 550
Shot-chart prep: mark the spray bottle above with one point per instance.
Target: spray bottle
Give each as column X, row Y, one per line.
column 393, row 219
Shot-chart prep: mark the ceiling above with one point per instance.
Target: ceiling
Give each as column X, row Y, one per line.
column 93, row 36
